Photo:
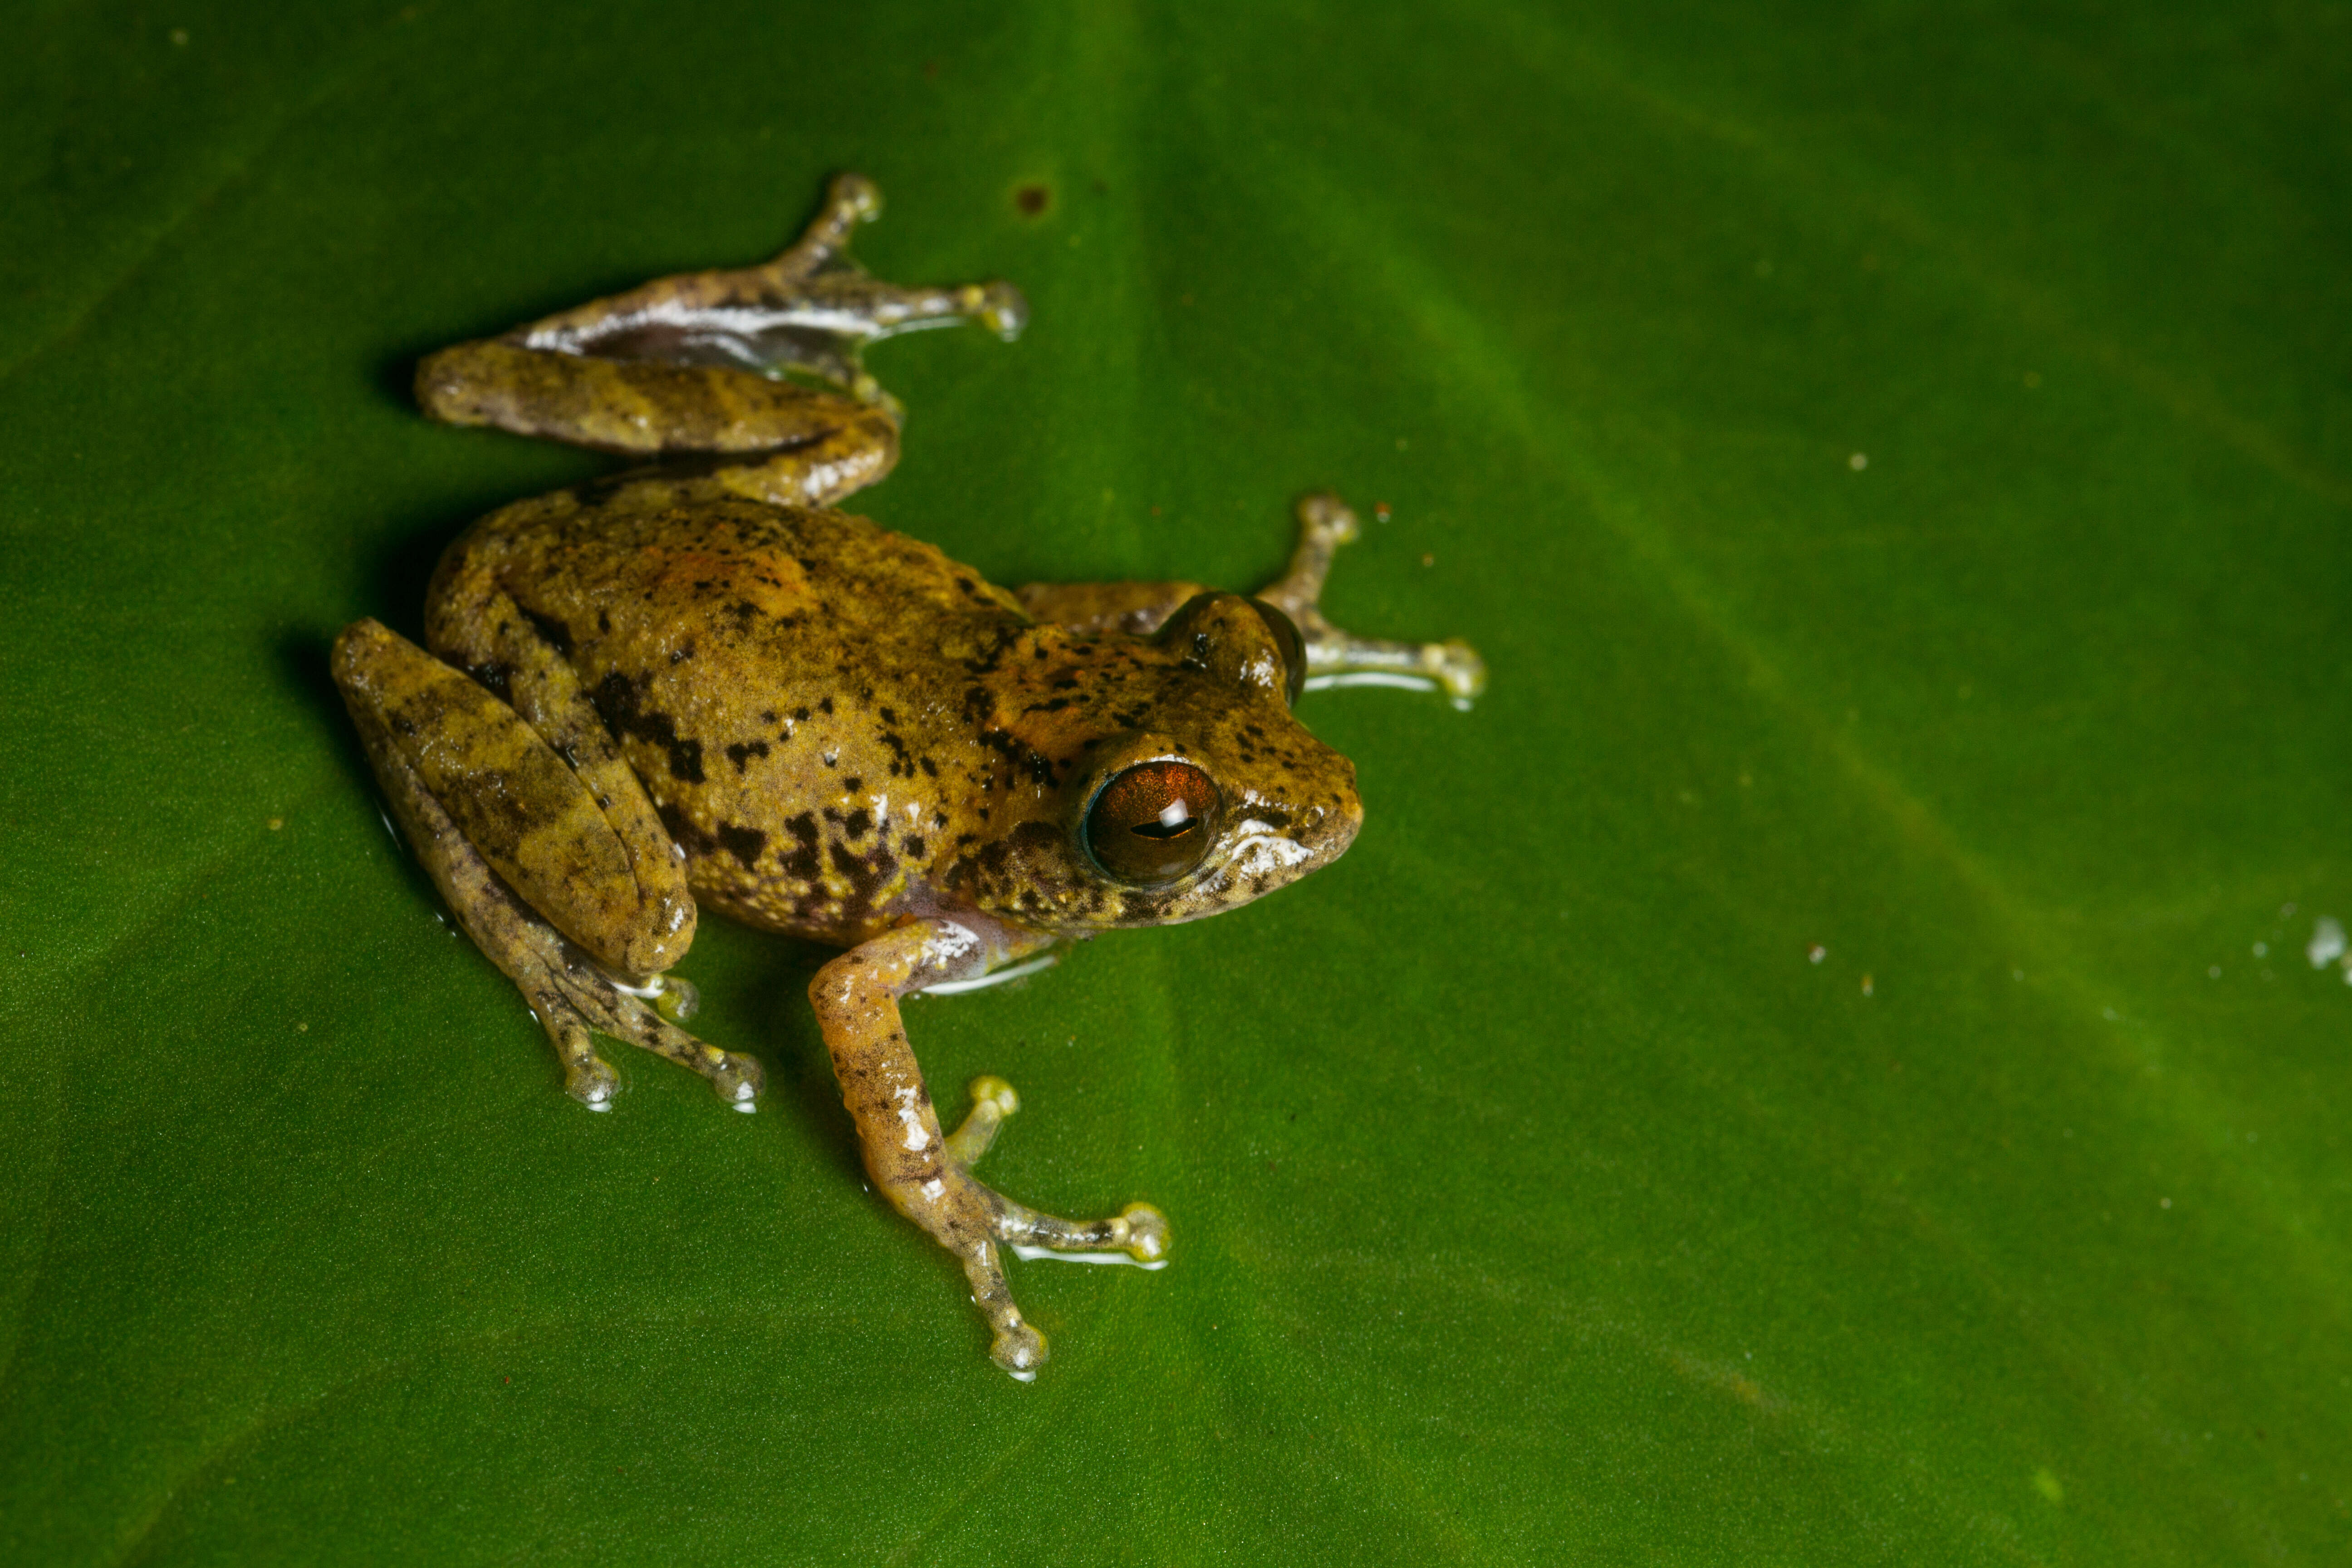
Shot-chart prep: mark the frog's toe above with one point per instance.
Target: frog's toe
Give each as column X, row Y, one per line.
column 1137, row 1234
column 856, row 197
column 1003, row 310
column 1147, row 1234
column 738, row 1079
column 992, row 1100
column 591, row 1082
column 1020, row 1350
column 679, row 1000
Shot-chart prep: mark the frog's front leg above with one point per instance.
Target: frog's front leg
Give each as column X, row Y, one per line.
column 519, row 845
column 1333, row 657
column 926, row 1174
column 1338, row 657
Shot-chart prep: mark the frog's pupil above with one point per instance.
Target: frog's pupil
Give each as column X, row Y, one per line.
column 1173, row 823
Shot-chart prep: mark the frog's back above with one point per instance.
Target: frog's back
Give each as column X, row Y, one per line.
column 775, row 676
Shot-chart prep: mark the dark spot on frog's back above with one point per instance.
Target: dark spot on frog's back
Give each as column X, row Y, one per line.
column 802, row 862
column 1143, row 906
column 1032, row 200
column 558, row 635
column 743, row 843
column 866, row 874
column 683, row 830
column 618, row 697
column 742, row 752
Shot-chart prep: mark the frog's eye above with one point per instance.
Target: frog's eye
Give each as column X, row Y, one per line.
column 1285, row 632
column 1153, row 823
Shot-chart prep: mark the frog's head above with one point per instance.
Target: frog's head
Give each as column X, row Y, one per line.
column 1209, row 792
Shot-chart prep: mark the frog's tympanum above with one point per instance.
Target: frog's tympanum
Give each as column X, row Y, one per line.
column 697, row 684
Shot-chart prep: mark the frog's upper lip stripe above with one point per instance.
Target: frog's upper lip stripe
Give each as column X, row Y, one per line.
column 1260, row 850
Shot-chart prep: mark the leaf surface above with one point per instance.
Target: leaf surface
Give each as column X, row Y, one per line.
column 1819, row 1066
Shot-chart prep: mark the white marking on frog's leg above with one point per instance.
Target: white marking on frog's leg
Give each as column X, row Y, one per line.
column 1139, row 1232
column 1369, row 678
column 679, row 999
column 1031, row 1254
column 911, row 1117
column 993, row 977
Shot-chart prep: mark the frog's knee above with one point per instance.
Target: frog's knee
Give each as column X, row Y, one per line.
column 361, row 651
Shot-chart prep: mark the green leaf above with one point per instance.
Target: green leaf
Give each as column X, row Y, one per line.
column 1820, row 1065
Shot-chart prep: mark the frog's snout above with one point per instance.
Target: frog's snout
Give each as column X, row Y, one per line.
column 1347, row 821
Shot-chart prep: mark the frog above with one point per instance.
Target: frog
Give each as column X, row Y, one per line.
column 697, row 685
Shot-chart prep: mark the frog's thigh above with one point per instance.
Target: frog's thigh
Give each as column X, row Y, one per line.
column 790, row 444
column 474, row 624
column 922, row 1172
column 568, row 992
column 522, row 809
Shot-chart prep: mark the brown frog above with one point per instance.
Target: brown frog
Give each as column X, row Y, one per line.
column 695, row 684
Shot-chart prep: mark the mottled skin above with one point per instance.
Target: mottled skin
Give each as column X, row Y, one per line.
column 697, row 685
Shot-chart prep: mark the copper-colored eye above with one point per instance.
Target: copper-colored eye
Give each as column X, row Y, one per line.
column 1286, row 636
column 1153, row 823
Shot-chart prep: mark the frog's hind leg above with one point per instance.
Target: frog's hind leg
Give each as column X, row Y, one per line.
column 810, row 310
column 695, row 363
column 1337, row 657
column 739, row 431
column 415, row 715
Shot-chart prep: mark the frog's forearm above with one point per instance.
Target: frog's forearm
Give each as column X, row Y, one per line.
column 856, row 1000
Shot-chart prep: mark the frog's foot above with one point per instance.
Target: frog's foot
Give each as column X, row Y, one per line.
column 1137, row 1234
column 810, row 311
column 573, row 999
column 1335, row 658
